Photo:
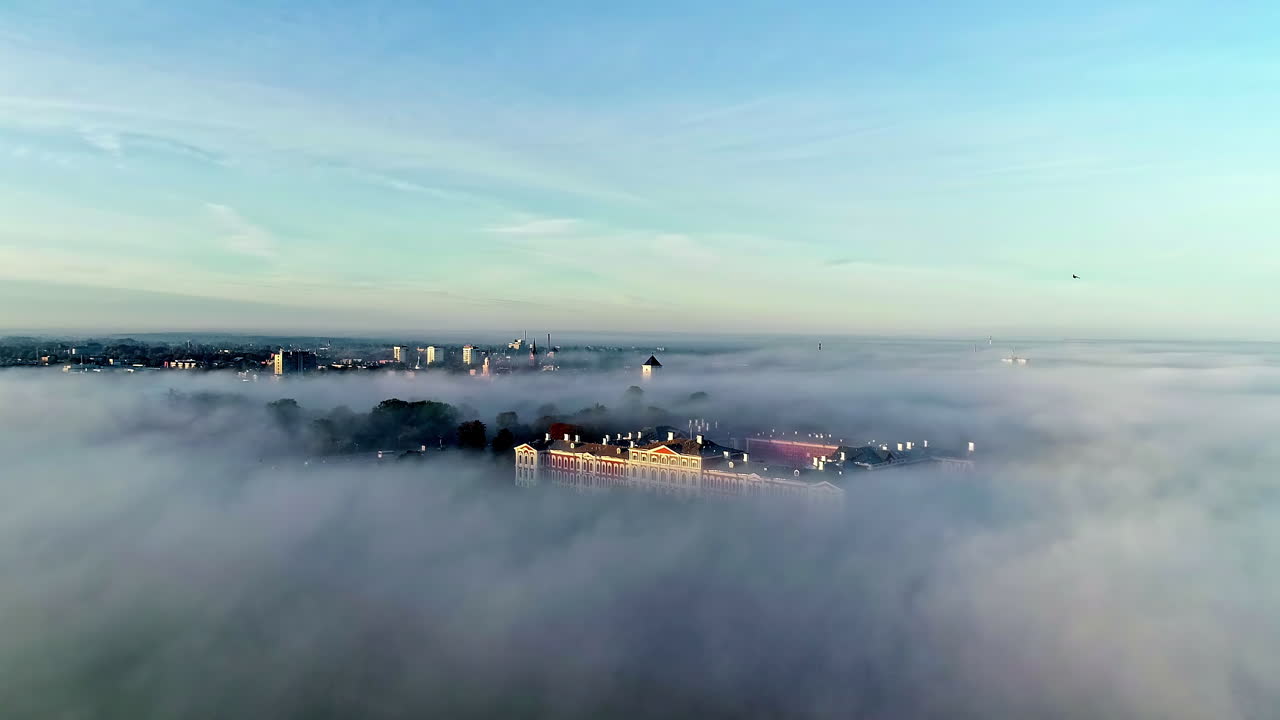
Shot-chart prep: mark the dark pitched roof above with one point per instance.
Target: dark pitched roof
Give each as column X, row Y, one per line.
column 865, row 455
column 684, row 446
column 652, row 362
column 599, row 449
column 688, row 446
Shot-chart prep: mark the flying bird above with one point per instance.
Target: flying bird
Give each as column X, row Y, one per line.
column 1074, row 276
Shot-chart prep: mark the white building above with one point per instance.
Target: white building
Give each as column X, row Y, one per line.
column 650, row 367
column 470, row 354
column 674, row 466
column 433, row 355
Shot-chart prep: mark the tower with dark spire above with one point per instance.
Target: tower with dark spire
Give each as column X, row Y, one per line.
column 650, row 367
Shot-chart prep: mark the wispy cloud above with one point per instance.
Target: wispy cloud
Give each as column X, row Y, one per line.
column 241, row 236
column 107, row 142
column 539, row 226
column 171, row 146
column 409, row 186
column 403, row 185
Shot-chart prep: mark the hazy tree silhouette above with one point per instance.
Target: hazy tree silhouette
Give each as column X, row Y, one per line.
column 472, row 436
column 503, row 442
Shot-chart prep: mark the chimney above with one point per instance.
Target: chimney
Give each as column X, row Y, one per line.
column 566, row 437
column 671, row 435
column 633, row 443
column 605, row 441
column 842, row 456
column 745, row 457
column 899, row 447
column 726, row 454
column 970, row 447
column 577, row 438
column 548, row 436
column 815, row 461
column 926, row 443
column 909, row 444
column 699, row 439
column 422, row 448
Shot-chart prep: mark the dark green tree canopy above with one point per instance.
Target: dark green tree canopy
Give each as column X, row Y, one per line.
column 472, row 436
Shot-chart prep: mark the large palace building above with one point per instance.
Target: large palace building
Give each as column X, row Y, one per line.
column 665, row 461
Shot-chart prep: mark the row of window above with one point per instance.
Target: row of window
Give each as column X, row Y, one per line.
column 666, row 459
column 572, row 465
column 643, row 457
column 711, row 483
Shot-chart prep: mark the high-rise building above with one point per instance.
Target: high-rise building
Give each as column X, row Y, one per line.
column 397, row 354
column 433, row 355
column 292, row 361
column 469, row 354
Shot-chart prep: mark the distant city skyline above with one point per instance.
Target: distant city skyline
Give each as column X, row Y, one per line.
column 824, row 169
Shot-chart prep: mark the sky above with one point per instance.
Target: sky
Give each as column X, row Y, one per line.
column 938, row 168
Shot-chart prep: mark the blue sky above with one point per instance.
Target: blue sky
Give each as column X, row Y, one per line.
column 843, row 167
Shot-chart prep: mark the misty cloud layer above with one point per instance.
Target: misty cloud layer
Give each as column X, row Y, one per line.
column 1116, row 555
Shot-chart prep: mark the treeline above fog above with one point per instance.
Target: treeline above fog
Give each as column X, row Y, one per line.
column 400, row 425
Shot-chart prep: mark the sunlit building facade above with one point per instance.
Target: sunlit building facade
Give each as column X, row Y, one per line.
column 681, row 466
column 289, row 362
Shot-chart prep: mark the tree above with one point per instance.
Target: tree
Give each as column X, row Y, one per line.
column 634, row 394
column 324, row 437
column 508, row 419
column 400, row 425
column 595, row 411
column 286, row 413
column 503, row 442
column 472, row 436
column 699, row 397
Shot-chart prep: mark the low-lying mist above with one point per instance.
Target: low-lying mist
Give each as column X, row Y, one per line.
column 1116, row 553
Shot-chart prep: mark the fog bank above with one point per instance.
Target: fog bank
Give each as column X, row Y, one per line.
column 1117, row 553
